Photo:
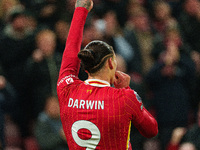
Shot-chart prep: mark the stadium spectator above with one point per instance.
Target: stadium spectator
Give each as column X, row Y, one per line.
column 42, row 70
column 193, row 133
column 94, row 29
column 151, row 144
column 190, row 135
column 8, row 99
column 119, row 7
column 70, row 9
column 187, row 146
column 140, row 35
column 61, row 30
column 48, row 129
column 16, row 46
column 5, row 7
column 196, row 86
column 176, row 137
column 175, row 6
column 163, row 19
column 170, row 82
column 190, row 24
column 189, row 21
column 47, row 12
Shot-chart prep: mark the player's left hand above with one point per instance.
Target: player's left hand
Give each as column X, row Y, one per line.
column 122, row 80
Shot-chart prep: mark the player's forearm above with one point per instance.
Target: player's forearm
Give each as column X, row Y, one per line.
column 73, row 44
column 148, row 127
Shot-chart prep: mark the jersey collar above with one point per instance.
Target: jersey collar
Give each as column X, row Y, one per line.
column 97, row 82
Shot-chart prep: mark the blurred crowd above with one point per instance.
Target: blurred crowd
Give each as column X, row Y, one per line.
column 157, row 43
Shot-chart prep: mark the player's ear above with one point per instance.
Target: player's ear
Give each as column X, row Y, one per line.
column 110, row 63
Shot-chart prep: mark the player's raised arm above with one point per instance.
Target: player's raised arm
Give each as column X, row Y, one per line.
column 70, row 61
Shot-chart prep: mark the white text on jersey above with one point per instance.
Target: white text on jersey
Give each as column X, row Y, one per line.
column 86, row 104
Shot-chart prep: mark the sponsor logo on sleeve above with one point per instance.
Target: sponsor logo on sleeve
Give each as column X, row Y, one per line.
column 67, row 79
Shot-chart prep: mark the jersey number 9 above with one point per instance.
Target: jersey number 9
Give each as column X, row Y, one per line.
column 90, row 143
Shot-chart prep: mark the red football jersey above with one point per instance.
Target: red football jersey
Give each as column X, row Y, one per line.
column 95, row 115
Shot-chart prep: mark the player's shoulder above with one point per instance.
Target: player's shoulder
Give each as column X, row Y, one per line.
column 124, row 92
column 129, row 94
column 67, row 80
column 127, row 90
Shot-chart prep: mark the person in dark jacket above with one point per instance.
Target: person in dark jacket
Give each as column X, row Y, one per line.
column 169, row 81
column 16, row 46
column 189, row 21
column 193, row 133
column 186, row 137
column 48, row 129
column 42, row 70
column 8, row 99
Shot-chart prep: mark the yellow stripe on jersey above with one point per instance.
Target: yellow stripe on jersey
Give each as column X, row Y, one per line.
column 128, row 138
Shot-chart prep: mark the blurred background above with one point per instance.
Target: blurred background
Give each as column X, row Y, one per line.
column 157, row 43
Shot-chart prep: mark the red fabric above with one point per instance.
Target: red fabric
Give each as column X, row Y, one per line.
column 99, row 117
column 74, row 40
column 172, row 146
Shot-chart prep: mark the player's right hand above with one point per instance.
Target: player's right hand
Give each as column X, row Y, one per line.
column 88, row 4
column 122, row 80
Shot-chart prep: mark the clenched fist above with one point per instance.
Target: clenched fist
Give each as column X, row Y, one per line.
column 122, row 80
column 88, row 4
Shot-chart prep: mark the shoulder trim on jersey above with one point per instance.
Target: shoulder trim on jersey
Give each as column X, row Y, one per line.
column 97, row 82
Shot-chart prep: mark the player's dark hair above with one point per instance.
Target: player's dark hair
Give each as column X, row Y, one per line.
column 94, row 55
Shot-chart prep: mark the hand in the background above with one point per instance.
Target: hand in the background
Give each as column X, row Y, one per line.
column 2, row 82
column 37, row 55
column 62, row 134
column 196, row 58
column 172, row 54
column 177, row 135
